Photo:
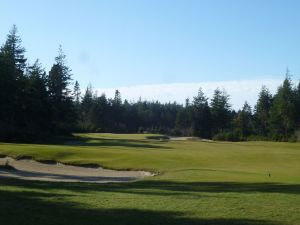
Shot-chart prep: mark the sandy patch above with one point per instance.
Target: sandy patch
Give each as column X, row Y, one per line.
column 28, row 169
column 189, row 139
column 180, row 138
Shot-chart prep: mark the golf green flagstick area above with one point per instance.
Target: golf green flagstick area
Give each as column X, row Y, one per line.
column 197, row 182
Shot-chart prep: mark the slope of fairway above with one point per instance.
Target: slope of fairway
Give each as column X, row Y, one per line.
column 198, row 183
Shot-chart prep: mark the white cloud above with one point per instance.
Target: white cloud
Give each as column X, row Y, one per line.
column 239, row 91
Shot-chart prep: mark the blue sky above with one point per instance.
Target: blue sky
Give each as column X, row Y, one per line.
column 128, row 43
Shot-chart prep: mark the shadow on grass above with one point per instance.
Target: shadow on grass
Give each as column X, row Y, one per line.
column 108, row 142
column 35, row 207
column 101, row 142
column 161, row 188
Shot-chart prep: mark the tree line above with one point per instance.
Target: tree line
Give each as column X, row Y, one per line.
column 36, row 105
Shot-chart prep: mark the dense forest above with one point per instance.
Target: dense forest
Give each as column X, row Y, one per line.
column 37, row 105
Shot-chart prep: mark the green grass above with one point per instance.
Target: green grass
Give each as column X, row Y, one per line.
column 199, row 183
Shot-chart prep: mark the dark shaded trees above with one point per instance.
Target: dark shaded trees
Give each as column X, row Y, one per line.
column 14, row 52
column 184, row 121
column 37, row 101
column 220, row 111
column 243, row 122
column 12, row 81
column 283, row 111
column 77, row 93
column 85, row 116
column 35, row 105
column 201, row 116
column 117, row 113
column 62, row 107
column 297, row 96
column 262, row 111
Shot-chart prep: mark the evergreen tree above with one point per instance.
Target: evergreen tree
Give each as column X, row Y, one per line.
column 262, row 111
column 184, row 122
column 35, row 105
column 14, row 52
column 59, row 78
column 244, row 121
column 117, row 112
column 101, row 110
column 63, row 115
column 220, row 111
column 187, row 102
column 283, row 111
column 298, row 106
column 117, row 99
column 12, row 82
column 36, row 101
column 86, row 116
column 77, row 99
column 77, row 93
column 201, row 116
column 87, row 100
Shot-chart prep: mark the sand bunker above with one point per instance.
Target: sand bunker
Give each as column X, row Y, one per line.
column 189, row 139
column 28, row 169
column 180, row 138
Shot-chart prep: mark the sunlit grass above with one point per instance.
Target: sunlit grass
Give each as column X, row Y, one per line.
column 198, row 183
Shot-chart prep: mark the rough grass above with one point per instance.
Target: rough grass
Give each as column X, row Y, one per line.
column 199, row 183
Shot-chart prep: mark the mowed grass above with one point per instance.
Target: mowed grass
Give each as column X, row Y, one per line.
column 198, row 183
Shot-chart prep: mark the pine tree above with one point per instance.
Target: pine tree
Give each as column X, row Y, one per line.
column 262, row 111
column 298, row 106
column 117, row 112
column 86, row 117
column 117, row 98
column 59, row 78
column 100, row 111
column 14, row 52
column 244, row 121
column 77, row 93
column 283, row 111
column 220, row 111
column 12, row 84
column 63, row 114
column 37, row 101
column 87, row 100
column 184, row 122
column 201, row 116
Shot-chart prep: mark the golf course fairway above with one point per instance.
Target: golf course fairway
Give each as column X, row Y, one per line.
column 196, row 182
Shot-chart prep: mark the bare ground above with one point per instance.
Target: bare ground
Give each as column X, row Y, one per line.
column 28, row 169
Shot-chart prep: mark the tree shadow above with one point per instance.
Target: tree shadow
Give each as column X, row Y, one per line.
column 219, row 187
column 162, row 188
column 34, row 207
column 101, row 142
column 109, row 142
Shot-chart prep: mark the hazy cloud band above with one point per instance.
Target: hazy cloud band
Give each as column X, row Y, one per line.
column 239, row 91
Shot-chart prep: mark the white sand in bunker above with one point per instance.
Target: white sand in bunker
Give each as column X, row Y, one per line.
column 28, row 169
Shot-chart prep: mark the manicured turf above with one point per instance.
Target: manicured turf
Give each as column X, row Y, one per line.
column 199, row 183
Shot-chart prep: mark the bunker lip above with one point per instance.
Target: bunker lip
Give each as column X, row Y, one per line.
column 29, row 169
